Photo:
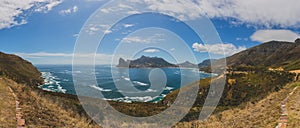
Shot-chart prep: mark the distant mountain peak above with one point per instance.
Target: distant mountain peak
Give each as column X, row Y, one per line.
column 188, row 64
column 145, row 62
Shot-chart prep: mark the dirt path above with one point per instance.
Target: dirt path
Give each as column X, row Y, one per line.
column 40, row 110
column 7, row 107
column 293, row 109
column 284, row 117
column 19, row 115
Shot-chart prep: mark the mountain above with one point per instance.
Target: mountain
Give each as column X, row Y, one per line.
column 19, row 70
column 187, row 64
column 273, row 54
column 145, row 62
column 206, row 63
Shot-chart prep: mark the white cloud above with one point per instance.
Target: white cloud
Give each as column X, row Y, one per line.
column 94, row 28
column 67, row 58
column 278, row 35
column 43, row 54
column 266, row 13
column 128, row 25
column 156, row 38
column 151, row 51
column 172, row 49
column 219, row 49
column 12, row 11
column 68, row 11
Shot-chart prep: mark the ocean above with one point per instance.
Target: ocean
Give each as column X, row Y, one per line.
column 58, row 78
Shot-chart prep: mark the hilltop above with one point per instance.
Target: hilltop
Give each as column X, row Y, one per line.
column 19, row 70
column 273, row 54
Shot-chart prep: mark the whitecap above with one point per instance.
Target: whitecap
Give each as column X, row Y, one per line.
column 169, row 88
column 140, row 83
column 125, row 78
column 150, row 90
column 100, row 89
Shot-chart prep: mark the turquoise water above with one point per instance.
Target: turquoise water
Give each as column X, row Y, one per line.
column 58, row 78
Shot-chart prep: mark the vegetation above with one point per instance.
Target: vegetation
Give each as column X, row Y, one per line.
column 19, row 70
column 272, row 54
column 239, row 89
column 244, row 93
column 293, row 108
column 262, row 114
column 7, row 108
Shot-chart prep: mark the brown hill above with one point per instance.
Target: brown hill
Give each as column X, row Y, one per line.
column 19, row 70
column 272, row 54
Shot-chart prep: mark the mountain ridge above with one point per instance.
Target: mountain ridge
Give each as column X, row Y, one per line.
column 157, row 62
column 273, row 54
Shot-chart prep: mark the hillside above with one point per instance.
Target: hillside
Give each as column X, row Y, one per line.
column 263, row 114
column 272, row 54
column 156, row 62
column 19, row 70
column 187, row 64
column 145, row 62
column 239, row 89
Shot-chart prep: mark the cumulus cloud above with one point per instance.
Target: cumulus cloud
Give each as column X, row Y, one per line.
column 277, row 35
column 151, row 51
column 266, row 13
column 12, row 11
column 94, row 28
column 219, row 49
column 68, row 11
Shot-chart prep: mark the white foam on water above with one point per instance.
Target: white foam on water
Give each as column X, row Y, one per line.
column 168, row 88
column 150, row 90
column 134, row 99
column 52, row 83
column 125, row 78
column 140, row 83
column 100, row 89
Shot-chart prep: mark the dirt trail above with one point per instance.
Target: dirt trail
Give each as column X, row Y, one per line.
column 284, row 120
column 19, row 115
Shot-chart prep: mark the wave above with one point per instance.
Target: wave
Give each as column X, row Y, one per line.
column 126, row 78
column 100, row 89
column 169, row 88
column 140, row 83
column 51, row 83
column 134, row 99
column 150, row 90
column 135, row 82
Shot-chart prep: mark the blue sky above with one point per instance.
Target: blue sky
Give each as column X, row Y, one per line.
column 45, row 32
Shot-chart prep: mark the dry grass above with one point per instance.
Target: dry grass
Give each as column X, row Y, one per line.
column 293, row 108
column 7, row 107
column 263, row 114
column 42, row 112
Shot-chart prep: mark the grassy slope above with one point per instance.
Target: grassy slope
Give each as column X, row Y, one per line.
column 42, row 110
column 7, row 108
column 293, row 106
column 19, row 70
column 265, row 113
